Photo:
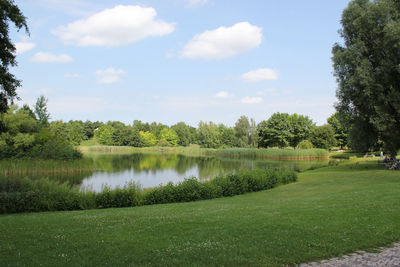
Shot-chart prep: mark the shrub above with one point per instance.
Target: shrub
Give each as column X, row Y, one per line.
column 222, row 186
column 305, row 144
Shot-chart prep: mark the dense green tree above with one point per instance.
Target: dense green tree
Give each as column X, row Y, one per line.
column 168, row 136
column 283, row 130
column 275, row 131
column 138, row 126
column 367, row 68
column 21, row 136
column 148, row 139
column 75, row 132
column 339, row 128
column 59, row 128
column 41, row 111
column 227, row 136
column 89, row 128
column 29, row 110
column 323, row 137
column 17, row 136
column 9, row 12
column 17, row 120
column 185, row 133
column 104, row 135
column 363, row 137
column 133, row 138
column 253, row 137
column 71, row 131
column 242, row 131
column 156, row 128
column 300, row 128
column 209, row 135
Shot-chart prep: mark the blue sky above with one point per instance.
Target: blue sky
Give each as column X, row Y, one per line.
column 179, row 60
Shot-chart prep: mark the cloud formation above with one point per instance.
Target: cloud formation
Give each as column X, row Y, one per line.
column 116, row 26
column 223, row 94
column 251, row 100
column 223, row 42
column 109, row 75
column 43, row 57
column 22, row 47
column 260, row 75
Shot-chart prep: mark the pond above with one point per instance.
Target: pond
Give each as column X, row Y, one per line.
column 97, row 170
column 150, row 170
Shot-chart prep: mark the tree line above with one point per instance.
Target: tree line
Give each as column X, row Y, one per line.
column 27, row 132
column 280, row 130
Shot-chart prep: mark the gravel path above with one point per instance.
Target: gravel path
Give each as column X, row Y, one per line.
column 388, row 257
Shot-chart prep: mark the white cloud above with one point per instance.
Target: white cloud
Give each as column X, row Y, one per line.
column 260, row 75
column 194, row 3
column 223, row 94
column 22, row 47
column 120, row 25
column 223, row 42
column 110, row 75
column 43, row 57
column 72, row 75
column 110, row 71
column 251, row 100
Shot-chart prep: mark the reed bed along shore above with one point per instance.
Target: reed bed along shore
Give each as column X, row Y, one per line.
column 23, row 167
column 269, row 153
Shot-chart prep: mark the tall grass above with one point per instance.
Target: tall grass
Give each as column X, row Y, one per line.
column 43, row 167
column 271, row 153
column 26, row 195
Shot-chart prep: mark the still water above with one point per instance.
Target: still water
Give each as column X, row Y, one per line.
column 151, row 170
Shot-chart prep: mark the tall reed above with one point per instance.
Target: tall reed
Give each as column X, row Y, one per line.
column 43, row 167
column 271, row 153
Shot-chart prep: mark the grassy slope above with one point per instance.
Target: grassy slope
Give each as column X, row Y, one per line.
column 329, row 212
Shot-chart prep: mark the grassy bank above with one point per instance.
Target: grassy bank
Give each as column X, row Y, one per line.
column 21, row 194
column 329, row 212
column 270, row 153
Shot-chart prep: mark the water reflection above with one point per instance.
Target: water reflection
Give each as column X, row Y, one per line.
column 154, row 169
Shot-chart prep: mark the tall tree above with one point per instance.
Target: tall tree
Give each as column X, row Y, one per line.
column 41, row 111
column 242, row 131
column 227, row 135
column 209, row 135
column 9, row 12
column 367, row 68
column 323, row 137
column 275, row 131
column 253, row 137
column 300, row 128
column 185, row 133
column 340, row 129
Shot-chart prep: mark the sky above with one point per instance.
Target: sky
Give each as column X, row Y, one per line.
column 179, row 60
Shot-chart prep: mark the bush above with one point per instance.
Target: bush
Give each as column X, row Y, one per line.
column 222, row 186
column 305, row 144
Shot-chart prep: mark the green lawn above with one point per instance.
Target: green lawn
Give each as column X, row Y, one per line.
column 329, row 212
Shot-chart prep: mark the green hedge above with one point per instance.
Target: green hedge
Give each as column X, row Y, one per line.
column 25, row 195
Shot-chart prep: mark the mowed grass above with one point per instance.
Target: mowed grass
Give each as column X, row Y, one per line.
column 330, row 212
